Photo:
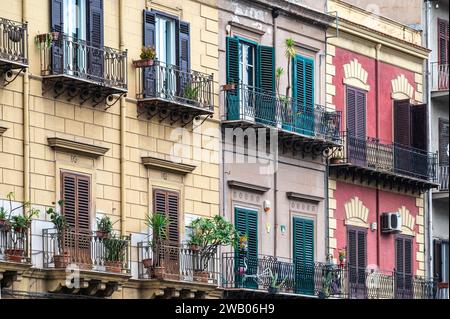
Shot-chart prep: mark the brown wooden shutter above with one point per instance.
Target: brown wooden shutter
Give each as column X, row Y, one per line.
column 167, row 203
column 443, row 141
column 351, row 112
column 443, row 39
column 357, row 260
column 437, row 259
column 362, row 248
column 404, row 266
column 419, row 125
column 76, row 193
column 402, row 120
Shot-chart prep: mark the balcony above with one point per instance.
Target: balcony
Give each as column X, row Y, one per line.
column 439, row 81
column 312, row 126
column 14, row 254
column 103, row 263
column 170, row 267
column 244, row 277
column 391, row 164
column 13, row 48
column 74, row 69
column 172, row 94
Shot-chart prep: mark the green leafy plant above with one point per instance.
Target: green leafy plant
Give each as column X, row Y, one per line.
column 21, row 223
column 105, row 225
column 290, row 55
column 209, row 234
column 44, row 40
column 3, row 213
column 158, row 223
column 115, row 249
column 191, row 92
column 57, row 218
column 148, row 53
column 275, row 284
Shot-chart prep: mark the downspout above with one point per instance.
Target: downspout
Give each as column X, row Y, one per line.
column 429, row 195
column 123, row 128
column 275, row 14
column 26, row 120
column 377, row 132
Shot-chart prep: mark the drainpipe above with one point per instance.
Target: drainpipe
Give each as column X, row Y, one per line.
column 429, row 196
column 377, row 130
column 275, row 14
column 123, row 128
column 26, row 121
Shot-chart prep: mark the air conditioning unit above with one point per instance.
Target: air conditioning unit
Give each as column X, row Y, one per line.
column 391, row 222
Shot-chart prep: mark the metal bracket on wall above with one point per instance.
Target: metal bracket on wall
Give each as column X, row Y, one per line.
column 336, row 14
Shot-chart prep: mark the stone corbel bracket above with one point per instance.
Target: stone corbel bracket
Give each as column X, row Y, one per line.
column 11, row 272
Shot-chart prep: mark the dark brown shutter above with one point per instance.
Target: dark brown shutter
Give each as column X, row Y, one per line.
column 76, row 193
column 69, row 196
column 437, row 259
column 95, row 38
column 149, row 33
column 443, row 141
column 167, row 203
column 185, row 47
column 362, row 247
column 56, row 25
column 402, row 120
column 404, row 267
column 351, row 112
column 419, row 126
column 443, row 39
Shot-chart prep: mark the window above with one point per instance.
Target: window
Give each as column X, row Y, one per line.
column 443, row 37
column 167, row 203
column 356, row 125
column 303, row 246
column 441, row 260
column 357, row 260
column 76, row 193
column 165, row 40
column 247, row 68
column 404, row 267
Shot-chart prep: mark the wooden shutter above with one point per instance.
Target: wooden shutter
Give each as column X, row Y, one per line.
column 404, row 266
column 246, row 223
column 232, row 97
column 265, row 79
column 356, row 125
column 357, row 260
column 402, row 120
column 437, row 259
column 95, row 38
column 303, row 245
column 76, row 193
column 303, row 94
column 443, row 39
column 351, row 112
column 185, row 47
column 149, row 34
column 167, row 203
column 362, row 256
column 443, row 141
column 57, row 25
column 419, row 124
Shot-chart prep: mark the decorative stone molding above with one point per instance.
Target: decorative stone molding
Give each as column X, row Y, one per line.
column 69, row 146
column 2, row 130
column 158, row 163
column 248, row 187
column 247, row 197
column 401, row 88
column 356, row 214
column 408, row 221
column 11, row 272
column 355, row 75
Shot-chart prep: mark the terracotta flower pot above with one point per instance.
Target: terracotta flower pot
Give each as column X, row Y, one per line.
column 102, row 234
column 143, row 63
column 158, row 272
column 14, row 255
column 201, row 276
column 3, row 223
column 113, row 266
column 148, row 262
column 62, row 261
column 229, row 87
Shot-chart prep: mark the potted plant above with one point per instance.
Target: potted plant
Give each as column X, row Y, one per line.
column 210, row 234
column 148, row 55
column 44, row 40
column 191, row 93
column 243, row 243
column 114, row 253
column 62, row 259
column 14, row 33
column 104, row 227
column 275, row 285
column 342, row 256
column 158, row 224
column 4, row 222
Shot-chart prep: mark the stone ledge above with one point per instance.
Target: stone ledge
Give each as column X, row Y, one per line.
column 69, row 146
column 248, row 187
column 157, row 163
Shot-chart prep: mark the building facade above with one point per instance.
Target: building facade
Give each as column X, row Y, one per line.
column 84, row 122
column 377, row 207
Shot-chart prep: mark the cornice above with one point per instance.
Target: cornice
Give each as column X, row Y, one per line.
column 157, row 163
column 76, row 147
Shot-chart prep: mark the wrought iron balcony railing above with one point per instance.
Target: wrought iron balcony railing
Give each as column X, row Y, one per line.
column 177, row 262
column 392, row 158
column 86, row 250
column 168, row 84
column 439, row 77
column 443, row 178
column 77, row 59
column 254, row 105
column 13, row 45
column 14, row 244
column 323, row 280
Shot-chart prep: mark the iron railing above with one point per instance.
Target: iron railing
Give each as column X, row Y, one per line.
column 254, row 105
column 86, row 250
column 177, row 262
column 14, row 245
column 69, row 56
column 439, row 77
column 443, row 177
column 171, row 84
column 13, row 42
column 323, row 280
column 389, row 158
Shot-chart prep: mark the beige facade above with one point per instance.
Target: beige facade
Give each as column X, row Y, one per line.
column 110, row 144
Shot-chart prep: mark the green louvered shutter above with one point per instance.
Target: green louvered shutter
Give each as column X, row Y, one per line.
column 233, row 105
column 246, row 223
column 303, row 239
column 303, row 95
column 265, row 104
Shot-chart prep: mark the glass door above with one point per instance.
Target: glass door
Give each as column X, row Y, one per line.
column 75, row 43
column 247, row 69
column 166, row 53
